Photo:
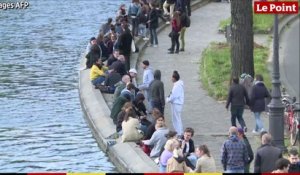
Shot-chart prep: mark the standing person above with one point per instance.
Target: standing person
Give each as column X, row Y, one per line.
column 147, row 79
column 133, row 12
column 171, row 5
column 124, row 43
column 237, row 97
column 176, row 98
column 153, row 24
column 234, row 153
column 294, row 160
column 206, row 163
column 185, row 22
column 156, row 89
column 266, row 156
column 176, row 26
column 257, row 101
column 243, row 137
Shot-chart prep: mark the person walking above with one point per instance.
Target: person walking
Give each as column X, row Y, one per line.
column 237, row 98
column 157, row 92
column 185, row 23
column 176, row 98
column 257, row 101
column 234, row 153
column 266, row 155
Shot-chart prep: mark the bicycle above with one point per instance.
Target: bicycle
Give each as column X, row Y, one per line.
column 292, row 119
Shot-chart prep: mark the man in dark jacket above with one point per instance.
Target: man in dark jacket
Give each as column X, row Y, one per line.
column 257, row 101
column 294, row 160
column 243, row 137
column 157, row 92
column 124, row 43
column 266, row 156
column 119, row 65
column 237, row 97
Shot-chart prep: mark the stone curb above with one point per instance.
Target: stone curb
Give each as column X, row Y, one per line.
column 127, row 157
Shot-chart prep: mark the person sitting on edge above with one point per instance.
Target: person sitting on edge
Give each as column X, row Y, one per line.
column 117, row 106
column 151, row 129
column 294, row 160
column 120, row 86
column 93, row 55
column 130, row 127
column 119, row 65
column 133, row 74
column 188, row 147
column 129, row 90
column 121, row 116
column 206, row 163
column 158, row 139
column 140, row 110
column 98, row 73
column 92, row 42
column 177, row 163
column 113, row 58
column 166, row 155
column 111, row 80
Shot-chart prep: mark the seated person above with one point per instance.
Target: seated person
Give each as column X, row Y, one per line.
column 92, row 42
column 113, row 58
column 188, row 146
column 119, row 65
column 206, row 163
column 120, row 86
column 129, row 90
column 158, row 139
column 111, row 80
column 151, row 128
column 93, row 55
column 98, row 73
column 130, row 127
column 177, row 163
column 121, row 116
column 140, row 110
column 117, row 106
column 166, row 155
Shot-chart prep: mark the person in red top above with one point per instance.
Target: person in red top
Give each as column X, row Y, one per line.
column 176, row 26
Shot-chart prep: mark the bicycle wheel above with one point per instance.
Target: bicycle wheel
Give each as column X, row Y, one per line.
column 294, row 135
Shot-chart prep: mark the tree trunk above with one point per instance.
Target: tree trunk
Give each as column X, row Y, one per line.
column 241, row 37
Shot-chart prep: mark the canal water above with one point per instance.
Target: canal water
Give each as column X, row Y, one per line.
column 41, row 123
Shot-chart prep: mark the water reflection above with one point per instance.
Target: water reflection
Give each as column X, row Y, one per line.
column 41, row 122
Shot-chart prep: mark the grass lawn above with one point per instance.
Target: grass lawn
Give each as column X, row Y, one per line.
column 215, row 68
column 262, row 23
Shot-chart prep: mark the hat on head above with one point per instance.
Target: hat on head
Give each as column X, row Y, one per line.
column 146, row 62
column 93, row 38
column 133, row 70
column 240, row 130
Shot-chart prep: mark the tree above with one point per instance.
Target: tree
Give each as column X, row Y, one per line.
column 241, row 37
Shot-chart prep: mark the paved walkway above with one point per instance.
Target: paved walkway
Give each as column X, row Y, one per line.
column 208, row 117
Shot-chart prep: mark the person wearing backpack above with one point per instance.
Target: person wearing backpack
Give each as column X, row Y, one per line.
column 185, row 23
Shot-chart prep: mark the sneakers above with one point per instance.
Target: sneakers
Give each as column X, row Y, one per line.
column 155, row 45
column 145, row 38
column 255, row 132
column 181, row 50
column 168, row 22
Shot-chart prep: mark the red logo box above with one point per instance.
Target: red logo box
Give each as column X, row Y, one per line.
column 282, row 7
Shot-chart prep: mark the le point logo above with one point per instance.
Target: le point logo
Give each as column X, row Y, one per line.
column 278, row 7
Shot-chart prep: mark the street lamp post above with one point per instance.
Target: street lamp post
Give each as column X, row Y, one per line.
column 276, row 119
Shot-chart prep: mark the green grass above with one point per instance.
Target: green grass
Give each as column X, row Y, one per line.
column 262, row 23
column 215, row 68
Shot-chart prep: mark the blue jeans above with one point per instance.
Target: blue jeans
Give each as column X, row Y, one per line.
column 157, row 104
column 237, row 113
column 153, row 36
column 98, row 80
column 235, row 171
column 162, row 168
column 258, row 122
